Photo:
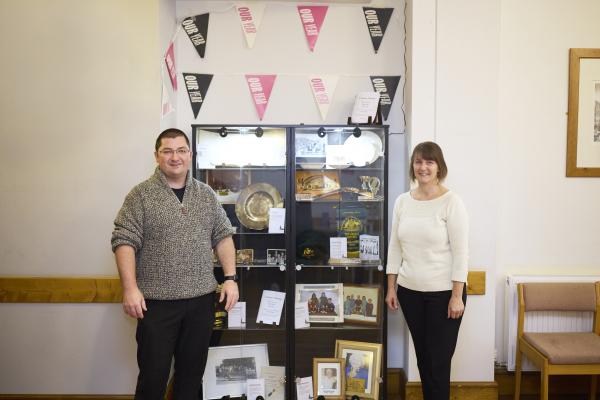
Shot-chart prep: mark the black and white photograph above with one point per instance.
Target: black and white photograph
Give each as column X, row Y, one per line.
column 369, row 248
column 229, row 367
column 323, row 300
column 235, row 370
column 276, row 256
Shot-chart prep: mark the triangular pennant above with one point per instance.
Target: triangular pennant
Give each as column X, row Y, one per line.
column 312, row 18
column 197, row 86
column 166, row 107
column 323, row 88
column 250, row 17
column 197, row 30
column 377, row 22
column 386, row 86
column 170, row 61
column 260, row 87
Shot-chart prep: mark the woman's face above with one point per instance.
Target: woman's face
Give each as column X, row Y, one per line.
column 426, row 171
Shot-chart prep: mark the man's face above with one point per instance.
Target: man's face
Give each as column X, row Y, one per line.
column 173, row 157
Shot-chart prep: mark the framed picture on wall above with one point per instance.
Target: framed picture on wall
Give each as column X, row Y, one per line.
column 583, row 124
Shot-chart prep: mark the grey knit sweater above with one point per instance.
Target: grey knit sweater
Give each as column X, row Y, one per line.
column 172, row 239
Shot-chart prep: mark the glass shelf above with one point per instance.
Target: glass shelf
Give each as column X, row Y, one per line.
column 379, row 267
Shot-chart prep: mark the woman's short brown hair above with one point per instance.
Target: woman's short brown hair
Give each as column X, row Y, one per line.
column 432, row 152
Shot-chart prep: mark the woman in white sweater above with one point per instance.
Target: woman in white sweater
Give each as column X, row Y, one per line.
column 427, row 267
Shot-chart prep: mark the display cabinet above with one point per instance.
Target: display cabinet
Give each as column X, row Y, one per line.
column 309, row 207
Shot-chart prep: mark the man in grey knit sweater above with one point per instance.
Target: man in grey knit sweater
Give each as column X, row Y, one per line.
column 163, row 240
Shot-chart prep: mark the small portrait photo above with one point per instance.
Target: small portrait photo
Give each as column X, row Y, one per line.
column 244, row 256
column 323, row 301
column 276, row 256
column 328, row 378
column 362, row 304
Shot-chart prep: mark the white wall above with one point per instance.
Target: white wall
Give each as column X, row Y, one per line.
column 547, row 223
column 80, row 100
column 454, row 70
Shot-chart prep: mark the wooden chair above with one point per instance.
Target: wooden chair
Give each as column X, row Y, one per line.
column 559, row 353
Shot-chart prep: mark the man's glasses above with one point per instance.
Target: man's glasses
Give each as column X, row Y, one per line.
column 182, row 151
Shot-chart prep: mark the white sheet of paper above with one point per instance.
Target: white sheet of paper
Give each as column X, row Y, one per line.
column 276, row 220
column 271, row 304
column 255, row 388
column 335, row 155
column 338, row 247
column 301, row 315
column 274, row 382
column 304, row 388
column 236, row 317
column 365, row 106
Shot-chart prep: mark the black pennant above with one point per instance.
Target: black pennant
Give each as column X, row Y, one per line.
column 386, row 86
column 377, row 22
column 197, row 86
column 197, row 30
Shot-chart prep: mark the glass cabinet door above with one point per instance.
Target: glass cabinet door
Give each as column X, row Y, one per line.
column 339, row 227
column 247, row 169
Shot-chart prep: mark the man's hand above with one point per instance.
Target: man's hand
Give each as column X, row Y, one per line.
column 134, row 303
column 229, row 291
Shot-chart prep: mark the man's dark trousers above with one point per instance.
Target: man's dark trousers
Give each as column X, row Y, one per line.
column 174, row 328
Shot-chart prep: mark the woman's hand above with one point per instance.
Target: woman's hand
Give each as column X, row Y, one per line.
column 456, row 307
column 391, row 299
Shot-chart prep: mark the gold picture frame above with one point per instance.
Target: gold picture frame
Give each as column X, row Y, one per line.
column 328, row 378
column 583, row 123
column 362, row 367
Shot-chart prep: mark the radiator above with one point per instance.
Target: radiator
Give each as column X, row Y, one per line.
column 541, row 321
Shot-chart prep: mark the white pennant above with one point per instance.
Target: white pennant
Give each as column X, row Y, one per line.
column 250, row 17
column 166, row 107
column 323, row 88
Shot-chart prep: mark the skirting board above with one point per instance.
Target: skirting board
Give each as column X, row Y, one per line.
column 458, row 390
column 108, row 289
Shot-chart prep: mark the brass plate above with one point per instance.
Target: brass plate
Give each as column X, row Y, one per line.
column 253, row 204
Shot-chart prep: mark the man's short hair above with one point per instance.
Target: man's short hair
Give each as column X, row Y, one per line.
column 170, row 133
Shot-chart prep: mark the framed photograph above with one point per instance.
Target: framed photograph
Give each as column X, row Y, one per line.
column 328, row 378
column 324, row 301
column 362, row 367
column 362, row 304
column 310, row 150
column 228, row 368
column 276, row 256
column 244, row 256
column 583, row 124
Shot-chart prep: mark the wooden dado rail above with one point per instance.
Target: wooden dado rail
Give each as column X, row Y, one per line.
column 107, row 289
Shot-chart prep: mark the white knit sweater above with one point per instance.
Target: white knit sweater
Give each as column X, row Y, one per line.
column 429, row 242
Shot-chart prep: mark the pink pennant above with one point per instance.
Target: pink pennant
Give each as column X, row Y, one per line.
column 260, row 88
column 170, row 61
column 312, row 18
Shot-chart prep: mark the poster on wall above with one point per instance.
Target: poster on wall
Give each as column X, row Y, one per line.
column 386, row 86
column 197, row 30
column 377, row 21
column 250, row 16
column 170, row 62
column 260, row 87
column 197, row 86
column 323, row 87
column 312, row 18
